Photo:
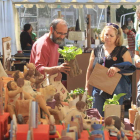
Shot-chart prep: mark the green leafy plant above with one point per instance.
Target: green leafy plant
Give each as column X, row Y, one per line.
column 114, row 100
column 89, row 101
column 67, row 98
column 76, row 92
column 98, row 31
column 69, row 53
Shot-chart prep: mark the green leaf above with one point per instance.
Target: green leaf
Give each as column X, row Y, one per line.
column 69, row 53
column 117, row 97
column 114, row 100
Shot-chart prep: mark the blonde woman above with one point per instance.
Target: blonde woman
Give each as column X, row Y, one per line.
column 109, row 54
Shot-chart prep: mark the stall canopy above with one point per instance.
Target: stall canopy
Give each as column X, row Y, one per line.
column 9, row 20
column 75, row 3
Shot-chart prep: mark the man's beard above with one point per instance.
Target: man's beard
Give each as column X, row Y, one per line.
column 58, row 40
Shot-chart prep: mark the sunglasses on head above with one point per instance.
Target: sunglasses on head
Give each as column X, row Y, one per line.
column 114, row 25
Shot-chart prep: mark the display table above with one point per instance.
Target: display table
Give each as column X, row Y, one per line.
column 59, row 128
column 3, row 125
column 113, row 137
column 42, row 132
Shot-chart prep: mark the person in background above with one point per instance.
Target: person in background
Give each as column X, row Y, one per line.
column 109, row 54
column 131, row 39
column 137, row 56
column 137, row 42
column 44, row 53
column 33, row 36
column 25, row 38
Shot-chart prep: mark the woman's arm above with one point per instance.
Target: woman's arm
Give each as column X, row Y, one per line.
column 89, row 69
column 13, row 93
column 126, row 58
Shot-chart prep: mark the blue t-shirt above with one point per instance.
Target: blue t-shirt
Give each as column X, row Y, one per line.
column 137, row 38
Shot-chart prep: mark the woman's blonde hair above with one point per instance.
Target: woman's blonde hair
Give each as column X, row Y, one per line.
column 138, row 9
column 118, row 31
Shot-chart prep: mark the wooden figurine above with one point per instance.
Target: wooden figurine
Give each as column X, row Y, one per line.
column 37, row 95
column 97, row 132
column 52, row 125
column 137, row 120
column 33, row 75
column 41, row 97
column 77, row 111
column 1, row 96
column 59, row 106
column 14, row 95
column 136, row 135
column 109, row 126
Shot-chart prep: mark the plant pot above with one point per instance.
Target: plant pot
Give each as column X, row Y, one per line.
column 74, row 68
column 132, row 114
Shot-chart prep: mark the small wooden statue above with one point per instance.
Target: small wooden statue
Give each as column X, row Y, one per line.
column 109, row 126
column 37, row 95
column 77, row 111
column 52, row 125
column 59, row 106
column 136, row 135
column 33, row 75
column 14, row 95
column 137, row 120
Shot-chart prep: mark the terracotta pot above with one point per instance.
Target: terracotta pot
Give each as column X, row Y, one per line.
column 132, row 114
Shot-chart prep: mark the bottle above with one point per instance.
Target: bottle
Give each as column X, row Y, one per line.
column 97, row 42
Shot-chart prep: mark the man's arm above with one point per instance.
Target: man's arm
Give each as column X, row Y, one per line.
column 42, row 60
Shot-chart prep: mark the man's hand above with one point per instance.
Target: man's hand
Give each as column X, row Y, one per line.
column 58, row 77
column 64, row 67
column 112, row 70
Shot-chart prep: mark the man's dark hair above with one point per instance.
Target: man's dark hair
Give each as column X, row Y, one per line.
column 124, row 27
column 56, row 21
column 27, row 27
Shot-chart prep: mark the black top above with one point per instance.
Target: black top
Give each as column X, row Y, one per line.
column 114, row 57
column 24, row 39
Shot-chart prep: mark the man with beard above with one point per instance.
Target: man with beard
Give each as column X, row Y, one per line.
column 44, row 52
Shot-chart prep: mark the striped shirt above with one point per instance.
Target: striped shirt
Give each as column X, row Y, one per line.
column 131, row 40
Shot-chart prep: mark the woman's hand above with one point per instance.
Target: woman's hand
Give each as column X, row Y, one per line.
column 111, row 71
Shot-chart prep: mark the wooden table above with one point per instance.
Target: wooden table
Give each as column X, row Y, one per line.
column 42, row 132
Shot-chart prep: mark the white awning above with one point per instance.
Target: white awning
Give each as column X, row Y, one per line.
column 76, row 3
column 87, row 2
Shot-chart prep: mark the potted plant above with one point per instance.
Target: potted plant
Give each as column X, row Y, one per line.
column 112, row 107
column 69, row 54
column 78, row 92
column 89, row 101
column 97, row 32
